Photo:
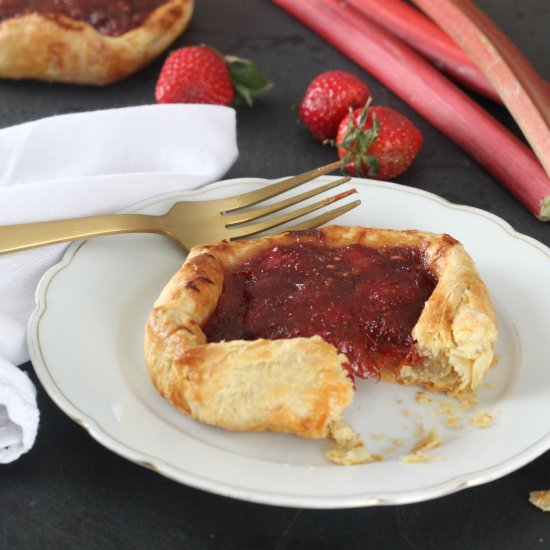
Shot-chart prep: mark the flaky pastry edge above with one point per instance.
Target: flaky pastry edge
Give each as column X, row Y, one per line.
column 57, row 48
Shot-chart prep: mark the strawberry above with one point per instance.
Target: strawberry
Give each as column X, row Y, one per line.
column 200, row 74
column 377, row 142
column 327, row 100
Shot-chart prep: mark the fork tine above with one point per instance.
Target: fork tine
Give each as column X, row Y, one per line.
column 253, row 229
column 312, row 223
column 272, row 208
column 254, row 197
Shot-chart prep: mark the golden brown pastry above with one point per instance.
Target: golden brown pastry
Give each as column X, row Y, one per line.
column 47, row 44
column 541, row 499
column 302, row 384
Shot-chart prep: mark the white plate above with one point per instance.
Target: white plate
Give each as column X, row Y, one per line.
column 86, row 334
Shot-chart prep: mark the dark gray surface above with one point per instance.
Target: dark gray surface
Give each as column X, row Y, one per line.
column 70, row 492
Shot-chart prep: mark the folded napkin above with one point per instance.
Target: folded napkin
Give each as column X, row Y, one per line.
column 84, row 164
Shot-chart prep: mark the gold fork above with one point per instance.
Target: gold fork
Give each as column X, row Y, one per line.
column 192, row 222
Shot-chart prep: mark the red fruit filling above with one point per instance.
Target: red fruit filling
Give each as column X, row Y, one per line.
column 363, row 300
column 109, row 17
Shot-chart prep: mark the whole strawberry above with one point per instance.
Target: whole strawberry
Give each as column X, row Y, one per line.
column 200, row 74
column 327, row 100
column 377, row 142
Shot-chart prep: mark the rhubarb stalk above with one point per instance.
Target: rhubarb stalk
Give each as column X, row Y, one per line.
column 423, row 35
column 433, row 95
column 522, row 90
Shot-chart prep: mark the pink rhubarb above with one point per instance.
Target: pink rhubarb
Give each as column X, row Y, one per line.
column 423, row 35
column 433, row 95
column 522, row 90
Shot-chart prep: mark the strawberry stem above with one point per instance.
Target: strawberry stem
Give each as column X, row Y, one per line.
column 358, row 139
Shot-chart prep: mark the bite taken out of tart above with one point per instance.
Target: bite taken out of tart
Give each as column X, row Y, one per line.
column 271, row 334
column 86, row 41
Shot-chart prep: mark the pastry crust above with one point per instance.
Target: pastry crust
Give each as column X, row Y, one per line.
column 233, row 384
column 541, row 499
column 57, row 48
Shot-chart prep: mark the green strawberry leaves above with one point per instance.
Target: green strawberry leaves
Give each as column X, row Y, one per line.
column 357, row 141
column 247, row 79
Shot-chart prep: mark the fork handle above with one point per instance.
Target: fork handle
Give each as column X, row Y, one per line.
column 31, row 235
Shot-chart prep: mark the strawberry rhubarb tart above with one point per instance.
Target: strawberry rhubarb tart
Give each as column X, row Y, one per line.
column 86, row 41
column 271, row 334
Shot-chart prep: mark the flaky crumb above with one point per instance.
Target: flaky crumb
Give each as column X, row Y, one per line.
column 408, row 412
column 423, row 398
column 446, row 408
column 430, row 441
column 351, row 456
column 348, row 448
column 415, row 458
column 418, row 452
column 468, row 401
column 343, row 434
column 541, row 499
column 483, row 419
column 420, row 430
column 453, row 422
column 377, row 437
column 398, row 441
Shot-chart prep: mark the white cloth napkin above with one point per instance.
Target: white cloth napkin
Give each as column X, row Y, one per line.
column 83, row 164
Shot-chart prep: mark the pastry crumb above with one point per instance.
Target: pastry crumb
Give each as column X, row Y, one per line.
column 420, row 430
column 351, row 456
column 416, row 458
column 423, row 398
column 408, row 412
column 418, row 453
column 430, row 441
column 398, row 441
column 377, row 437
column 483, row 419
column 468, row 401
column 541, row 499
column 453, row 422
column 446, row 408
column 348, row 448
